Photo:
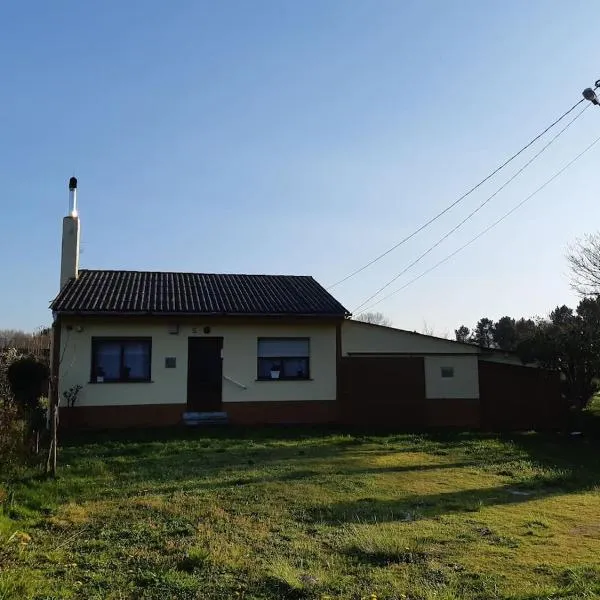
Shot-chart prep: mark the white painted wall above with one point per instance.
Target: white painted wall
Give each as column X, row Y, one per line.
column 69, row 257
column 464, row 384
column 360, row 337
column 170, row 385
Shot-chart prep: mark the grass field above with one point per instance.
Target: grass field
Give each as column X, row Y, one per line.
column 300, row 514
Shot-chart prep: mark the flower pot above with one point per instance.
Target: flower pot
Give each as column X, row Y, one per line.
column 275, row 374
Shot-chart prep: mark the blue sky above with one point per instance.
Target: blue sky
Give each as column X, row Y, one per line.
column 296, row 137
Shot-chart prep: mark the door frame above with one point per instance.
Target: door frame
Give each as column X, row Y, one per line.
column 189, row 400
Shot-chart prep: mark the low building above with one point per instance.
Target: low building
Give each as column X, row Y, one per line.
column 146, row 349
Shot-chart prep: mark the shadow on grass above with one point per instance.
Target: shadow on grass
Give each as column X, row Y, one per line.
column 577, row 453
column 379, row 558
column 317, row 476
column 167, row 461
column 414, row 507
column 209, row 434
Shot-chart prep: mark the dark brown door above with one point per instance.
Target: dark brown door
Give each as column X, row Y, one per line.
column 205, row 374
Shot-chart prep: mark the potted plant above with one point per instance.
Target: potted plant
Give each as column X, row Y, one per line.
column 275, row 370
column 71, row 395
column 99, row 375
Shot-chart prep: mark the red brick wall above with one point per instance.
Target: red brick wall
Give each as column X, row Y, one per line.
column 259, row 413
column 120, row 416
column 161, row 415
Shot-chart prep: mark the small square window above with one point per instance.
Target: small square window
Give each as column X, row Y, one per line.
column 447, row 372
column 170, row 362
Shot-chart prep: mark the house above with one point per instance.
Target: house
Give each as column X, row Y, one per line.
column 147, row 348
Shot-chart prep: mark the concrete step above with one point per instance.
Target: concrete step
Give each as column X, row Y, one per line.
column 195, row 419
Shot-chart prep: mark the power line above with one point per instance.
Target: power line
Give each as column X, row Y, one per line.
column 474, row 212
column 482, row 233
column 450, row 206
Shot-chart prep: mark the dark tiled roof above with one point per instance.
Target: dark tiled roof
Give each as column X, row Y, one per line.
column 141, row 292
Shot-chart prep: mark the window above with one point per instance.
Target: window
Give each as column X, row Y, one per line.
column 283, row 358
column 447, row 372
column 121, row 359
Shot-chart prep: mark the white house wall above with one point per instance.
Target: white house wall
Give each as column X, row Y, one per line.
column 464, row 383
column 169, row 386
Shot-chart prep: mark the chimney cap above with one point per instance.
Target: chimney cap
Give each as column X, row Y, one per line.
column 73, row 183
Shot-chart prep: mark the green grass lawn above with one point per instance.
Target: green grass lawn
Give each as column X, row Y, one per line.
column 296, row 513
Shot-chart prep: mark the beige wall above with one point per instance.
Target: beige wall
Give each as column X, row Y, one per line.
column 170, row 385
column 360, row 337
column 464, row 384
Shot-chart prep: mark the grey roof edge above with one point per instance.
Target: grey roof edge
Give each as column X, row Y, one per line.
column 330, row 306
column 116, row 313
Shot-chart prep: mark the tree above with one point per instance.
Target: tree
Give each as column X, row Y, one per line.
column 584, row 262
column 462, row 334
column 524, row 328
column 36, row 343
column 375, row 318
column 569, row 341
column 483, row 334
column 504, row 334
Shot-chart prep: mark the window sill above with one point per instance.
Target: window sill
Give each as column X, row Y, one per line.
column 121, row 381
column 285, row 379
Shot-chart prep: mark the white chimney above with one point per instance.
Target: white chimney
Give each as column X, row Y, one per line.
column 69, row 259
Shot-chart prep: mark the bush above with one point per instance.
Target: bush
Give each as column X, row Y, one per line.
column 15, row 449
column 28, row 380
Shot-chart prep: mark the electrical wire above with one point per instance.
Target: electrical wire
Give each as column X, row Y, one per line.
column 458, row 201
column 482, row 233
column 474, row 212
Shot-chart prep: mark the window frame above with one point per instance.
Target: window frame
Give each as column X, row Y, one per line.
column 281, row 359
column 122, row 340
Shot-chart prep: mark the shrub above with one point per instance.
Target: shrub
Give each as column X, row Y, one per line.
column 28, row 379
column 14, row 429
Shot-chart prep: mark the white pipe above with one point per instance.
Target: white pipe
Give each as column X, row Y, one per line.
column 73, row 201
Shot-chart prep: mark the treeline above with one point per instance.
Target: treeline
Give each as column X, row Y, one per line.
column 37, row 342
column 568, row 340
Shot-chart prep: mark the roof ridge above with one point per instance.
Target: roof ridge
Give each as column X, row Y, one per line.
column 220, row 274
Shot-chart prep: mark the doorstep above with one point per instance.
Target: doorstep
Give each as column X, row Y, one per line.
column 195, row 419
